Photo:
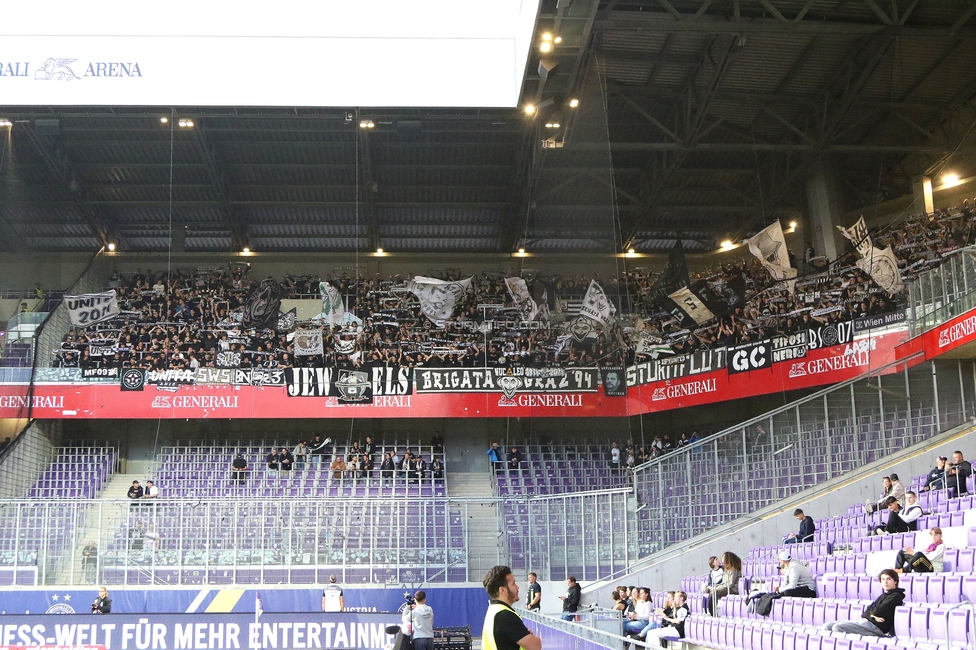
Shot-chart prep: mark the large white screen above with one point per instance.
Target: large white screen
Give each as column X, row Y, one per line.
column 244, row 53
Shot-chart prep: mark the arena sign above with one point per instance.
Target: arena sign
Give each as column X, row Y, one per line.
column 303, row 53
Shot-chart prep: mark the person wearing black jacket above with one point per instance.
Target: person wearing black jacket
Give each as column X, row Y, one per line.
column 959, row 471
column 879, row 617
column 807, row 529
column 936, row 479
column 571, row 600
column 387, row 469
column 102, row 604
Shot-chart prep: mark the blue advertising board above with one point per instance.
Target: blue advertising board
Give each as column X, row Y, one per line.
column 453, row 606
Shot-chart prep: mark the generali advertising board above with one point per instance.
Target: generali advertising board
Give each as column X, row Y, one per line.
column 385, row 392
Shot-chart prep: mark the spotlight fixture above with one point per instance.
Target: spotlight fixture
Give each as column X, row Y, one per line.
column 379, row 251
column 552, row 125
column 547, row 36
column 111, row 246
column 557, row 40
column 185, row 123
column 545, row 46
column 164, row 120
column 631, row 251
column 530, row 109
column 245, row 250
column 6, row 122
column 521, row 251
column 950, row 180
column 573, row 103
column 366, row 124
column 792, row 224
column 727, row 245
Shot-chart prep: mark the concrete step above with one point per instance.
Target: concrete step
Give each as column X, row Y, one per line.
column 469, row 484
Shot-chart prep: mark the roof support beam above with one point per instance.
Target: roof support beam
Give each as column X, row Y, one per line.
column 10, row 239
column 238, row 231
column 60, row 166
column 367, row 189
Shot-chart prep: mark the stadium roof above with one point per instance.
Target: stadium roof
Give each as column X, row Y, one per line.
column 716, row 113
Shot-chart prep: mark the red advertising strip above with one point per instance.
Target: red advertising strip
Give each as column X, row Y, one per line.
column 107, row 401
column 950, row 335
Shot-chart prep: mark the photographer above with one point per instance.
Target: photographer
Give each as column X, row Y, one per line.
column 418, row 622
column 102, row 604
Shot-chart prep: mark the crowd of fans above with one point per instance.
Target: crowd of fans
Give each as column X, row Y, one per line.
column 184, row 319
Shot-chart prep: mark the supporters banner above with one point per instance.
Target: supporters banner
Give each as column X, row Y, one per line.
column 90, row 308
column 481, row 380
column 858, row 235
column 100, row 373
column 333, row 308
column 646, row 344
column 750, row 356
column 438, row 298
column 882, row 320
column 170, row 377
column 769, row 246
column 262, row 305
column 828, row 335
column 526, row 306
column 349, row 386
column 307, row 342
column 597, row 306
column 674, row 276
column 241, row 376
column 657, row 385
column 692, row 305
column 228, row 359
column 614, row 381
column 882, row 266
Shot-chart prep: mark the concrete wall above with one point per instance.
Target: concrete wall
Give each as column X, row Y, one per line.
column 768, row 526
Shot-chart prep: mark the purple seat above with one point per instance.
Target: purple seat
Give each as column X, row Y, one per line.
column 964, row 560
column 953, row 588
column 959, row 627
column 777, row 640
column 918, row 623
column 902, row 620
column 815, row 642
column 828, row 643
column 830, row 611
column 935, row 589
column 803, row 641
column 827, row 587
column 789, row 639
column 818, row 613
column 864, row 586
column 737, row 634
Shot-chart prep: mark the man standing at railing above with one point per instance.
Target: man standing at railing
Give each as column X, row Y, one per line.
column 571, row 600
column 503, row 628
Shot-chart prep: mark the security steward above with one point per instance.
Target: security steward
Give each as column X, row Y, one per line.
column 504, row 629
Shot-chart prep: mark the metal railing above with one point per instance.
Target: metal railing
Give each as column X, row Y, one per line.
column 771, row 457
column 942, row 293
column 557, row 634
column 288, row 540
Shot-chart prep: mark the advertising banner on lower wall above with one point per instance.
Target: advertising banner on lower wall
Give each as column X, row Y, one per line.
column 757, row 368
column 171, row 614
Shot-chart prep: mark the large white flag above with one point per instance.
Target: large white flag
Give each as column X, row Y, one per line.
column 858, row 234
column 770, row 247
column 527, row 307
column 882, row 266
column 596, row 305
column 90, row 308
column 438, row 298
column 332, row 307
column 691, row 305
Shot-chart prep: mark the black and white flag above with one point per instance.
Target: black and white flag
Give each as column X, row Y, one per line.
column 438, row 298
column 90, row 308
column 307, row 342
column 596, row 305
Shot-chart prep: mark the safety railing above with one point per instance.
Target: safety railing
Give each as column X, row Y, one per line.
column 768, row 458
column 942, row 293
column 217, row 541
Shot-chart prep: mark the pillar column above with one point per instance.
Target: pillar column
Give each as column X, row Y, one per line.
column 826, row 206
column 922, row 189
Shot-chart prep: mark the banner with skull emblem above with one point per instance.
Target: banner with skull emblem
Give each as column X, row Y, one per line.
column 438, row 298
column 527, row 308
column 307, row 342
column 597, row 306
column 769, row 246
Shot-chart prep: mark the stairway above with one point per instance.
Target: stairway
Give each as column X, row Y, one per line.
column 486, row 543
column 110, row 518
